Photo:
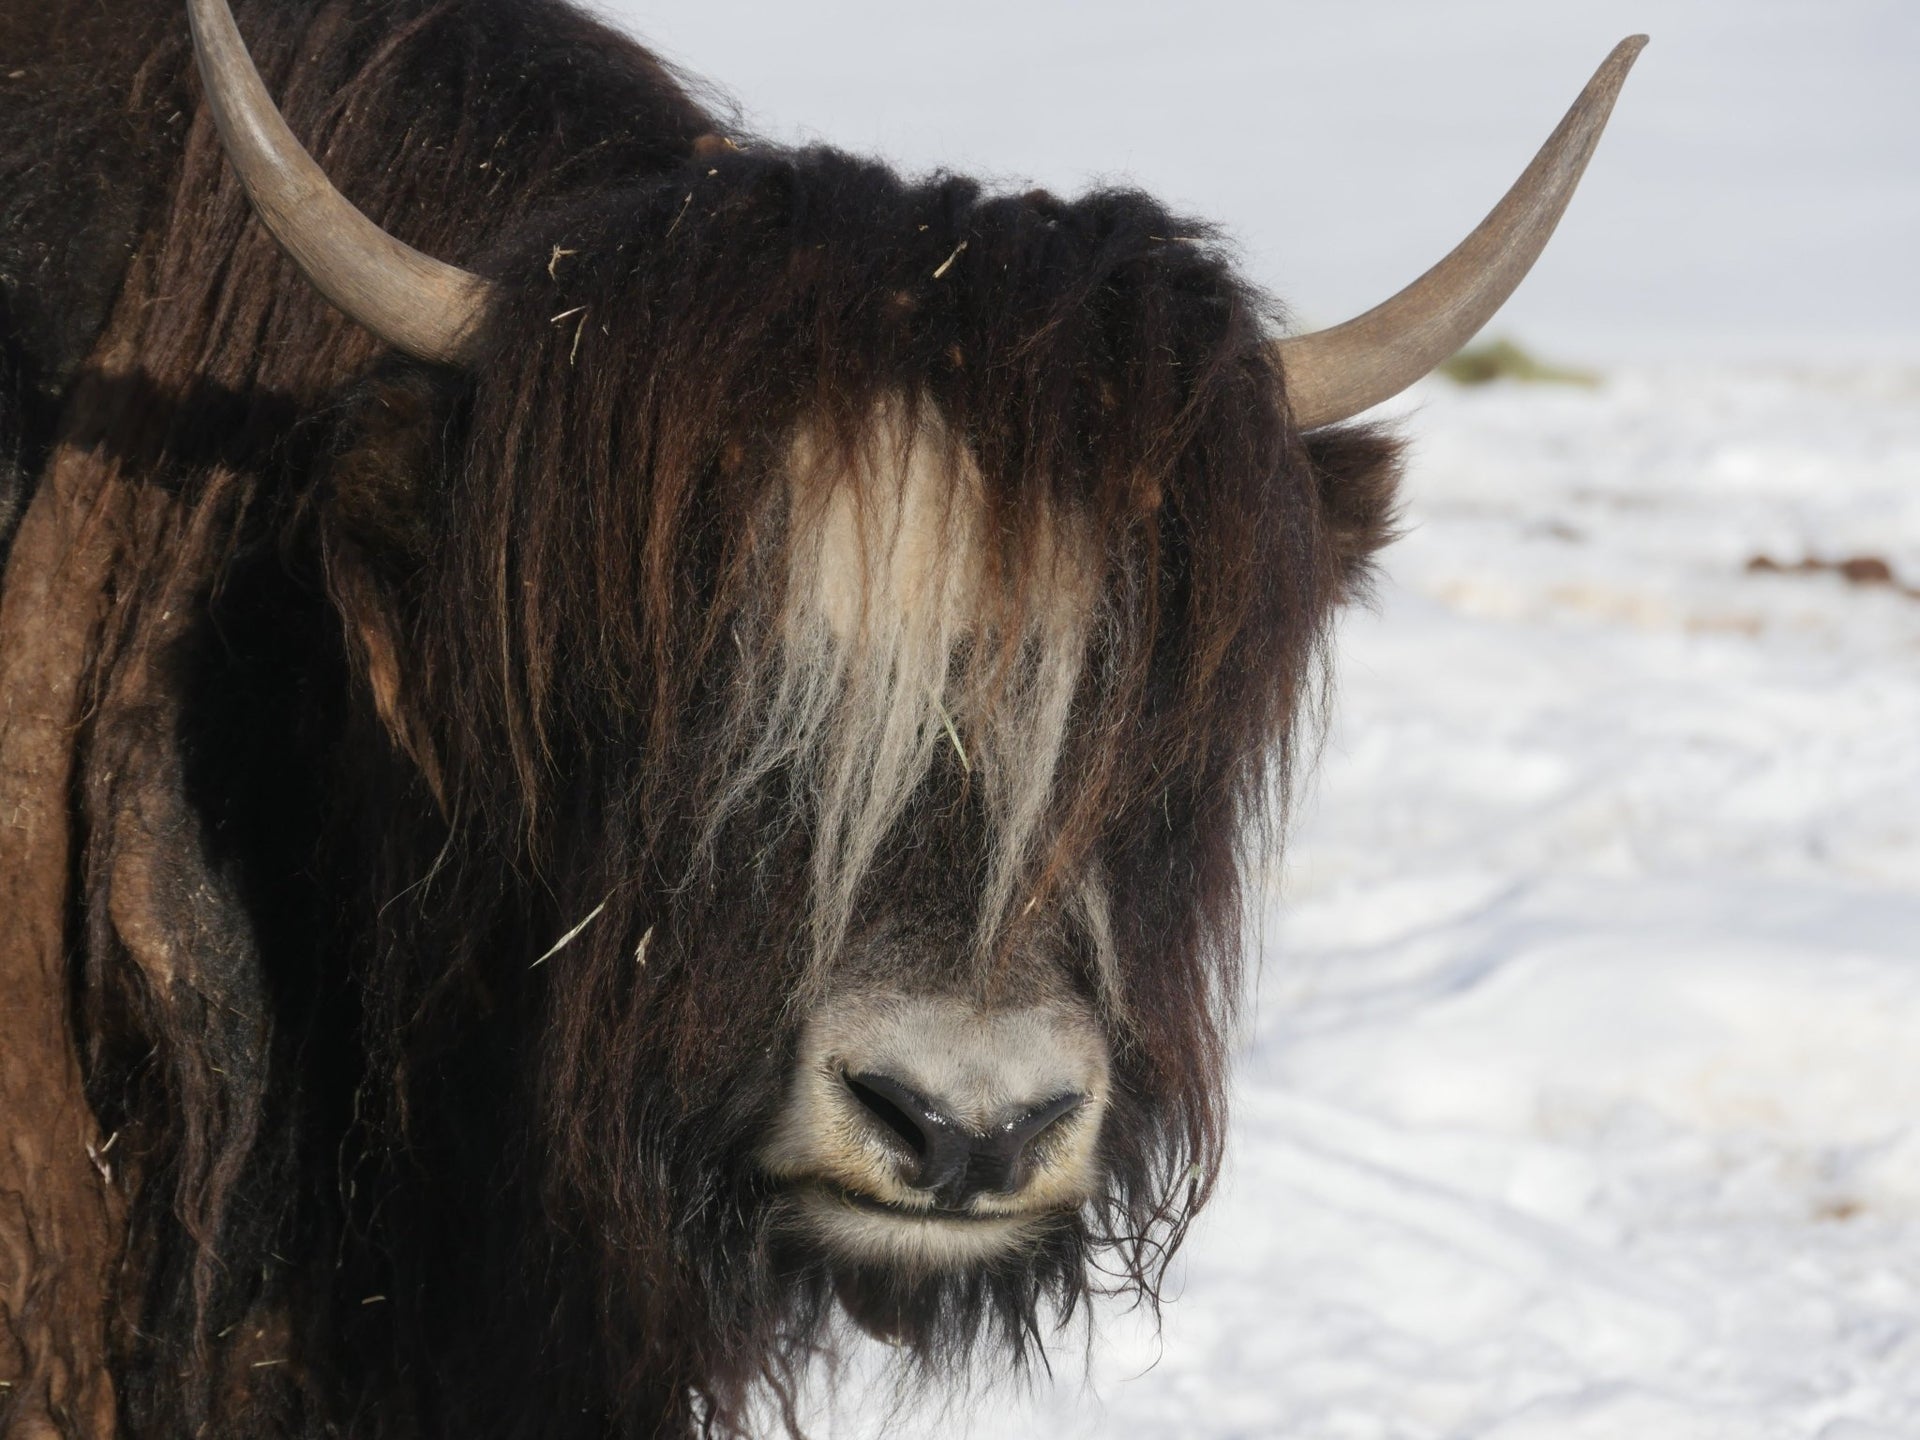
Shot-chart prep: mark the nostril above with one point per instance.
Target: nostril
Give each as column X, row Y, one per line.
column 1028, row 1128
column 1002, row 1159
column 939, row 1142
column 892, row 1104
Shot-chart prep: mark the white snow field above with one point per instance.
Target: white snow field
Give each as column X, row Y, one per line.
column 1582, row 1093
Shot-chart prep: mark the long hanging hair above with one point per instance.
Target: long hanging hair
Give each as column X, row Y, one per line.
column 815, row 560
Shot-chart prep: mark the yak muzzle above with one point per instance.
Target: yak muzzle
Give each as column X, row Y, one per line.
column 932, row 1132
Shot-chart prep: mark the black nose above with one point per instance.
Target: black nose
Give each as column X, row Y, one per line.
column 953, row 1160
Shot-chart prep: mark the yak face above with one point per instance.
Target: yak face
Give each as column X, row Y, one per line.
column 944, row 1102
column 879, row 674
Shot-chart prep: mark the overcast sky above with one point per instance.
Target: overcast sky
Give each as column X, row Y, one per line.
column 1757, row 196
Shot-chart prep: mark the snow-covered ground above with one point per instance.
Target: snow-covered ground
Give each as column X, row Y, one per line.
column 1582, row 1094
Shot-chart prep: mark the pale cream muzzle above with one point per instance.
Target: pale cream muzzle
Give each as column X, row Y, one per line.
column 928, row 1132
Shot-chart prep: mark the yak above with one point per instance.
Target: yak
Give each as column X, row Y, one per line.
column 623, row 750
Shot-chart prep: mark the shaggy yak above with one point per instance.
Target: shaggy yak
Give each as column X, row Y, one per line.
column 645, row 748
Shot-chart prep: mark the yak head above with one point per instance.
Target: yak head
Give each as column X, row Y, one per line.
column 845, row 636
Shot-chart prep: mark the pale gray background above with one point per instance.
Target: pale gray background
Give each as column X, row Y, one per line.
column 1757, row 198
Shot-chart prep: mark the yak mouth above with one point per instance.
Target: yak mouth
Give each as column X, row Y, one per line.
column 853, row 1226
column 873, row 1204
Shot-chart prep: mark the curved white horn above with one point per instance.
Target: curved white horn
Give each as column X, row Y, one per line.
column 415, row 303
column 1332, row 375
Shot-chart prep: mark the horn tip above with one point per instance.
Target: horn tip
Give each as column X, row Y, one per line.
column 1612, row 73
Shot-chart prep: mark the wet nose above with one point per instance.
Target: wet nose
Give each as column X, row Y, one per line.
column 949, row 1157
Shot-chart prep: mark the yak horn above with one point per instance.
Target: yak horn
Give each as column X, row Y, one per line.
column 1332, row 375
column 429, row 309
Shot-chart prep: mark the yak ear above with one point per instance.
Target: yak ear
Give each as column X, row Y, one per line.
column 376, row 519
column 383, row 462
column 1358, row 467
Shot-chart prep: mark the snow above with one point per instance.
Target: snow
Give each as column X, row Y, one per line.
column 1581, row 1097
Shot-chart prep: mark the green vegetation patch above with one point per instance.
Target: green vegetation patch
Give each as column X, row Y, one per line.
column 1503, row 360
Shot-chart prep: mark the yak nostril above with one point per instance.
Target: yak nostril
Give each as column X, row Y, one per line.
column 1001, row 1157
column 1022, row 1132
column 941, row 1145
column 900, row 1109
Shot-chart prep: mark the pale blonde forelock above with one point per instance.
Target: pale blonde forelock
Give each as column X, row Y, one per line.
column 886, row 646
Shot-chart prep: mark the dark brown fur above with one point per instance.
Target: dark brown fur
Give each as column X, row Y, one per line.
column 397, row 674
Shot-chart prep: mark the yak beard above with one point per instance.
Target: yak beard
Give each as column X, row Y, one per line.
column 766, row 1315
